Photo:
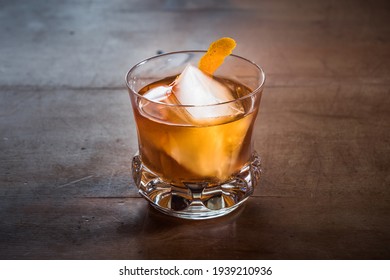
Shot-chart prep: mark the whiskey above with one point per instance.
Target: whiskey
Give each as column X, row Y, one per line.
column 181, row 149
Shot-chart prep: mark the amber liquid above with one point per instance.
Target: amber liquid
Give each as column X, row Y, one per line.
column 181, row 149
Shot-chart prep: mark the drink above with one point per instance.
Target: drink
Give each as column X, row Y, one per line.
column 196, row 158
column 177, row 148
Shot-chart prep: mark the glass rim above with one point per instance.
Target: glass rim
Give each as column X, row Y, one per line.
column 254, row 92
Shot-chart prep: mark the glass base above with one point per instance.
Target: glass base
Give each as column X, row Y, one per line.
column 197, row 201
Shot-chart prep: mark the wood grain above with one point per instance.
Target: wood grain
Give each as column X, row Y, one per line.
column 67, row 134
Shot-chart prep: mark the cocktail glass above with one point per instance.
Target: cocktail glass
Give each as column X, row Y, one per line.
column 191, row 167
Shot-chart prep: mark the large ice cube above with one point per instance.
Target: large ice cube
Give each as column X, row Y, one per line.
column 193, row 87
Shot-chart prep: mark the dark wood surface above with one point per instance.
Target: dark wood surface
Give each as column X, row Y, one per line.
column 67, row 134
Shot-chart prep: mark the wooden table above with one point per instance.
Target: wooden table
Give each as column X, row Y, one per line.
column 67, row 133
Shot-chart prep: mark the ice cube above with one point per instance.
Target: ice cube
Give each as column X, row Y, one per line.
column 193, row 87
column 158, row 93
column 154, row 106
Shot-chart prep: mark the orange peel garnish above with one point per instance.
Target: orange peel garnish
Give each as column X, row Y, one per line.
column 216, row 54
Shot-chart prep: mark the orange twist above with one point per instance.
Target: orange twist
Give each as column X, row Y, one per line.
column 216, row 54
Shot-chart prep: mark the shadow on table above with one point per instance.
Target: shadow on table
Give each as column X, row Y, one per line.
column 234, row 236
